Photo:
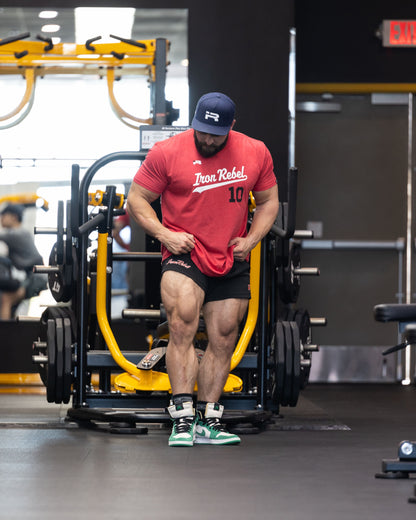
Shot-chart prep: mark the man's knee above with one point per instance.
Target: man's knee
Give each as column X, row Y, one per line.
column 182, row 331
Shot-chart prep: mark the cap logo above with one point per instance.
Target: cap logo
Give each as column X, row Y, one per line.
column 212, row 115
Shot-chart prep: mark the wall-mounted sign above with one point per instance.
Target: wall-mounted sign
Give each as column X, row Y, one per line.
column 399, row 33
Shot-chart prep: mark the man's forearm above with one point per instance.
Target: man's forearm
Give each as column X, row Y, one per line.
column 143, row 213
column 263, row 219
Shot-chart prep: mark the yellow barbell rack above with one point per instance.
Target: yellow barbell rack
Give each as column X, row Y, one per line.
column 33, row 59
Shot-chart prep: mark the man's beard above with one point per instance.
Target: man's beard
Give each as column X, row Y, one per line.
column 208, row 150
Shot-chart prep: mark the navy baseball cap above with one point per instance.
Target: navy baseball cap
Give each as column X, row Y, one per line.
column 214, row 114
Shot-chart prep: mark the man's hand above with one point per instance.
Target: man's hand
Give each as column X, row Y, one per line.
column 242, row 247
column 267, row 206
column 178, row 243
column 139, row 207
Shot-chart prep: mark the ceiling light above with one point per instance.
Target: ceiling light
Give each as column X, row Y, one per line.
column 50, row 28
column 88, row 56
column 48, row 14
column 56, row 40
column 103, row 21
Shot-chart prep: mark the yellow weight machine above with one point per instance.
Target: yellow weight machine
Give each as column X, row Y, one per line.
column 34, row 59
column 270, row 362
column 132, row 388
column 28, row 200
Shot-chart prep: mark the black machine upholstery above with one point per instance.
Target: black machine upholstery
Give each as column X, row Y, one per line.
column 395, row 312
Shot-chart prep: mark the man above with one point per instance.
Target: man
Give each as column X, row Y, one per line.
column 23, row 255
column 204, row 176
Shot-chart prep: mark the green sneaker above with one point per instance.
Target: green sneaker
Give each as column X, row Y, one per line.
column 184, row 423
column 209, row 429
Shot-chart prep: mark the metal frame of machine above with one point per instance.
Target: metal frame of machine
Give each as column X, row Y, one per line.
column 272, row 358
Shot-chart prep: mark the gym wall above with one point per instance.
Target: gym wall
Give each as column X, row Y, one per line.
column 352, row 181
column 337, row 42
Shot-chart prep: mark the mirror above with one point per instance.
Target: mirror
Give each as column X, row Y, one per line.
column 71, row 119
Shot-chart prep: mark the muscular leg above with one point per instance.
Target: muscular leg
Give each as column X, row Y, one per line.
column 182, row 299
column 222, row 319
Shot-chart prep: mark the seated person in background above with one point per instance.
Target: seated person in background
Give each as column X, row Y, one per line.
column 120, row 269
column 119, row 224
column 23, row 255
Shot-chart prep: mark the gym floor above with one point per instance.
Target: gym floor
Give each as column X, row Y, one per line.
column 318, row 461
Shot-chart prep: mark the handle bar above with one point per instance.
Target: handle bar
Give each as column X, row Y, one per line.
column 49, row 41
column 16, row 38
column 91, row 224
column 289, row 220
column 130, row 42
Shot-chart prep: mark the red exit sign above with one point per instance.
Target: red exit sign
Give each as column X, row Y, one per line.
column 399, row 33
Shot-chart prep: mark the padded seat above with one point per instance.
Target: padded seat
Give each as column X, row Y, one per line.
column 395, row 312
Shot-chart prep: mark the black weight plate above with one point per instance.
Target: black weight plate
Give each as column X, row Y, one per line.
column 290, row 315
column 54, row 279
column 279, row 362
column 67, row 380
column 43, row 367
column 287, row 388
column 76, row 207
column 304, row 323
column 305, row 372
column 296, row 378
column 51, row 368
column 289, row 282
column 61, row 283
column 68, row 239
column 60, row 234
column 272, row 369
column 271, row 366
column 293, row 279
column 302, row 318
column 59, row 342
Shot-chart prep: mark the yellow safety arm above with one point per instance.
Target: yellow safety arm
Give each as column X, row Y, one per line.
column 253, row 308
column 27, row 96
column 102, row 309
column 119, row 112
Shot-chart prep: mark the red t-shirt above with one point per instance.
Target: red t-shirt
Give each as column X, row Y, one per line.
column 207, row 197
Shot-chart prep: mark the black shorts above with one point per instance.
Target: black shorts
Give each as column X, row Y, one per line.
column 234, row 284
